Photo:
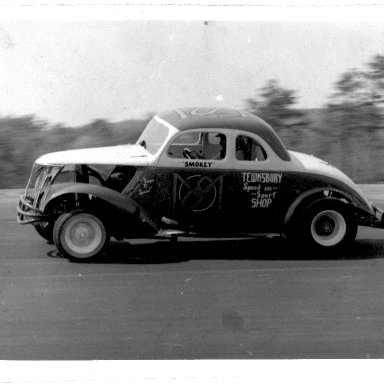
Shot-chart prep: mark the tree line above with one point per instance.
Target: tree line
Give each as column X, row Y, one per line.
column 347, row 131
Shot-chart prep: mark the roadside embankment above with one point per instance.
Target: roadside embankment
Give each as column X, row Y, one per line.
column 10, row 192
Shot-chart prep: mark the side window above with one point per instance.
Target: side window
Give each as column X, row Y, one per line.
column 248, row 149
column 199, row 145
column 188, row 138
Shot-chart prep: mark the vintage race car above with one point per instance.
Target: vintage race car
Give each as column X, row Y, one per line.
column 193, row 172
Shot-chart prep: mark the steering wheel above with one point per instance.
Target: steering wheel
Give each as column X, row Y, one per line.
column 187, row 153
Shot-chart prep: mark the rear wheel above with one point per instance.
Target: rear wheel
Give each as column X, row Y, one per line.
column 80, row 235
column 327, row 225
column 328, row 228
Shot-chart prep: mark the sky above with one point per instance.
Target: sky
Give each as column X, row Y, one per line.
column 73, row 71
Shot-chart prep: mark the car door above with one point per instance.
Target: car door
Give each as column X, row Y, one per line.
column 253, row 197
column 190, row 178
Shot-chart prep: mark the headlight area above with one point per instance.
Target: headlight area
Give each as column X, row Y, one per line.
column 31, row 204
column 42, row 176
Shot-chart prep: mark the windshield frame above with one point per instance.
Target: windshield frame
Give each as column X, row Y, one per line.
column 150, row 139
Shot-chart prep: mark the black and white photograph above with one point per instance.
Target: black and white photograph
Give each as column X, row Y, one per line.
column 193, row 185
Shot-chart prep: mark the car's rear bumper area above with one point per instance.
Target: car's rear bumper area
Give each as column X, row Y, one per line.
column 27, row 213
column 378, row 222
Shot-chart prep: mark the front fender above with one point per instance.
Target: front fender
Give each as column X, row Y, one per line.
column 122, row 202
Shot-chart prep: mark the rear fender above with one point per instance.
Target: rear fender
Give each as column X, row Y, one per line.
column 115, row 199
column 312, row 195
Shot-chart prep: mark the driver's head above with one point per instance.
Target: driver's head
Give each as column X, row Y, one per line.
column 221, row 138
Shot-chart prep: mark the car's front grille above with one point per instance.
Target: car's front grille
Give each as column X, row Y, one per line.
column 41, row 177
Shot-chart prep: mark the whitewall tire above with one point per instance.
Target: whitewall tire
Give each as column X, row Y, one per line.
column 80, row 235
column 327, row 225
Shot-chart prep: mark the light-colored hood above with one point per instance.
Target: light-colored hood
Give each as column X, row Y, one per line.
column 315, row 165
column 120, row 154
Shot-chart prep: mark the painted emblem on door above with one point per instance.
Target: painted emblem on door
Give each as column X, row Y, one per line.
column 197, row 193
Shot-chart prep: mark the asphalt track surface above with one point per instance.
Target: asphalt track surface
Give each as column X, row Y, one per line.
column 229, row 299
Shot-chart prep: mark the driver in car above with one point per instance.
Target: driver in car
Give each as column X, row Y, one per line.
column 211, row 151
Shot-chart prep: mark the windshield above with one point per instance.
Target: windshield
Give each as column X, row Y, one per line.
column 154, row 135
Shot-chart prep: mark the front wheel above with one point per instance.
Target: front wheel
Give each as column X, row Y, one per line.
column 327, row 225
column 80, row 235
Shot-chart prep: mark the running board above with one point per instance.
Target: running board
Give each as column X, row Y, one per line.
column 171, row 233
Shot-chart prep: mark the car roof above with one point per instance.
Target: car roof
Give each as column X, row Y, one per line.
column 227, row 118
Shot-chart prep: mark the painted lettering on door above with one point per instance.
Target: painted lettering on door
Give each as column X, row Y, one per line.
column 262, row 187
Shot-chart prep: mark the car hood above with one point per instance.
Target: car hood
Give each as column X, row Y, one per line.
column 128, row 154
column 314, row 165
